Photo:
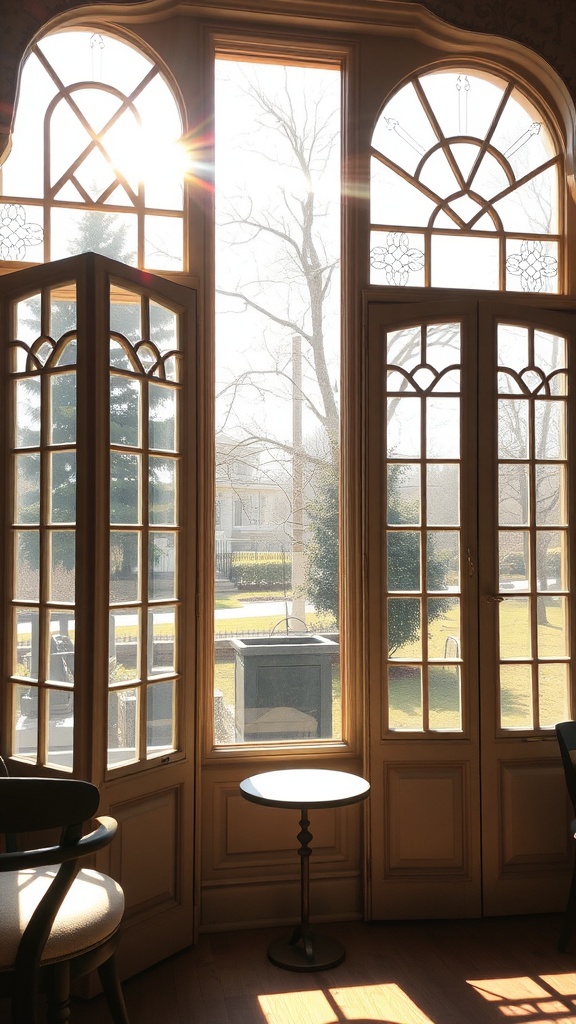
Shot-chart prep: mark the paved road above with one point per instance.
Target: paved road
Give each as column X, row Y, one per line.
column 256, row 608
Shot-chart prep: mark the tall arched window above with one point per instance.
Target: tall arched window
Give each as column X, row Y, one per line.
column 95, row 163
column 465, row 187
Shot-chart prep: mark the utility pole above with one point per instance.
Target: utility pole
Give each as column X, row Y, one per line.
column 298, row 616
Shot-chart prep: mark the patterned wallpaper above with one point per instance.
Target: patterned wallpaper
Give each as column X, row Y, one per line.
column 547, row 26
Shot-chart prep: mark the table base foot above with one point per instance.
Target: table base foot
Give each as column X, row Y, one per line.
column 319, row 953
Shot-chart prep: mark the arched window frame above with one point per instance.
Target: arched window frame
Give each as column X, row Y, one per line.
column 527, row 261
column 27, row 233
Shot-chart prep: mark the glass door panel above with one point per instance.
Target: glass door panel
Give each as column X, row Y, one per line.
column 423, row 544
column 532, row 424
column 144, row 584
column 42, row 367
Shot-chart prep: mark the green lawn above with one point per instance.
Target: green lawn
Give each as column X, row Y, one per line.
column 443, row 680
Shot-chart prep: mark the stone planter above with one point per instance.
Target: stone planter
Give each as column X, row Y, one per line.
column 283, row 687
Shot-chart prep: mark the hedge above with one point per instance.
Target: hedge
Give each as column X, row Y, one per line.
column 260, row 569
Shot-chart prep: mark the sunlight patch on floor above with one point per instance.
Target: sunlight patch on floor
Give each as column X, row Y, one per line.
column 341, row 1005
column 544, row 999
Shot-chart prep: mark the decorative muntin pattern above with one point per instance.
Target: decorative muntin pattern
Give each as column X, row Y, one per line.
column 464, row 187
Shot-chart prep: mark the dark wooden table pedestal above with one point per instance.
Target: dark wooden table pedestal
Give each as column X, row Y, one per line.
column 305, row 788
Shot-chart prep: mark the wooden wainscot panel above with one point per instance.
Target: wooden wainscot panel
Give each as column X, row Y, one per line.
column 251, row 867
column 533, row 815
column 424, row 820
column 145, row 853
column 248, row 836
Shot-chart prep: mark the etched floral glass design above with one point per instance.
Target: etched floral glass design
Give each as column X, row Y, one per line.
column 464, row 187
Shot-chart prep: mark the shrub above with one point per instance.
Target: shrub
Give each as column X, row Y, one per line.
column 261, row 569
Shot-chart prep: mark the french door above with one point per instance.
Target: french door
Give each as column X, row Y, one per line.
column 470, row 426
column 98, row 586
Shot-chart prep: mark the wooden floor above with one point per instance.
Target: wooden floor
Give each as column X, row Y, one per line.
column 496, row 971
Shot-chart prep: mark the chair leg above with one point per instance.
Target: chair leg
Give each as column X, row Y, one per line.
column 58, row 993
column 569, row 916
column 24, row 1005
column 110, row 982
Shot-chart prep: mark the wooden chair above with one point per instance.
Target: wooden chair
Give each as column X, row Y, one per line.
column 566, row 735
column 58, row 921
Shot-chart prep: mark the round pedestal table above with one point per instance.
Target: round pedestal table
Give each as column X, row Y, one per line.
column 305, row 788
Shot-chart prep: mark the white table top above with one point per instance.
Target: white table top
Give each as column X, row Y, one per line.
column 304, row 788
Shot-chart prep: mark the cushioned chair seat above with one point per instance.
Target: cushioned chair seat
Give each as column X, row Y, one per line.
column 90, row 913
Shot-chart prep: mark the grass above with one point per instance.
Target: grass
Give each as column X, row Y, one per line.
column 515, row 682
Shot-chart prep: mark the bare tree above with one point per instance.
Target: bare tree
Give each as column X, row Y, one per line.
column 280, row 257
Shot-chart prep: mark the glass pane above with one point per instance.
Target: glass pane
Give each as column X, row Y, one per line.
column 124, row 411
column 513, row 494
column 62, row 582
column 124, row 645
column 551, row 495
column 514, row 560
column 162, row 418
column 403, row 433
column 63, row 408
column 25, row 722
column 404, row 627
column 25, row 647
column 554, row 694
column 63, row 491
column 550, row 354
column 531, row 264
column 67, row 353
column 27, row 565
column 160, row 706
column 442, row 428
column 27, row 412
column 124, row 566
column 552, row 627
column 76, row 231
column 550, row 429
column 123, row 717
column 444, row 628
column 445, row 706
column 63, row 312
column 27, row 316
column 404, row 348
column 405, row 702
column 163, row 327
column 125, row 317
column 124, row 488
column 403, row 495
column 397, row 258
column 515, row 636
column 161, row 566
column 516, row 697
column 161, row 640
column 443, row 560
column 443, row 347
column 163, row 243
column 389, row 192
column 442, row 494
column 61, row 656
column 459, row 261
column 268, row 392
column 60, row 728
column 512, row 346
column 551, row 560
column 404, row 571
column 162, row 491
column 27, row 497
column 513, row 428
